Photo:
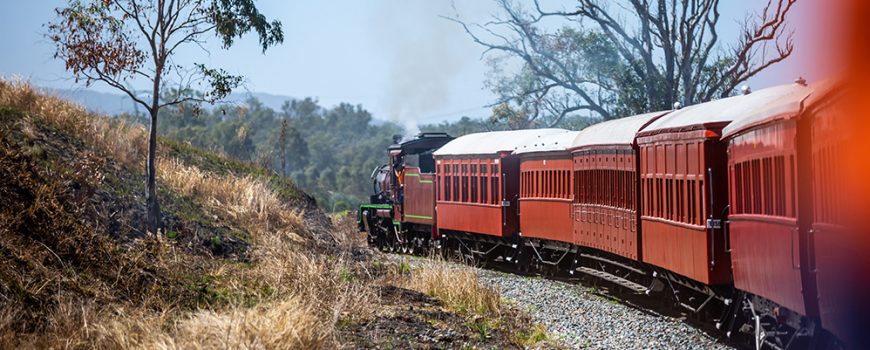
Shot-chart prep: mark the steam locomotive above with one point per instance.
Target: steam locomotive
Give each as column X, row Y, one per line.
column 729, row 206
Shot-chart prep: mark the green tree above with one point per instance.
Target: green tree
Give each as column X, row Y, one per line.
column 122, row 42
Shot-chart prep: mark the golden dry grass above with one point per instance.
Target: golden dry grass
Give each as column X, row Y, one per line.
column 243, row 200
column 290, row 324
column 119, row 140
column 456, row 285
column 288, row 296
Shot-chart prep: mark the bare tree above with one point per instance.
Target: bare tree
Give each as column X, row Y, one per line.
column 124, row 42
column 615, row 58
column 282, row 146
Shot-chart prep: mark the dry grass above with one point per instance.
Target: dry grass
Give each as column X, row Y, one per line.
column 244, row 200
column 456, row 285
column 117, row 139
column 288, row 296
column 290, row 324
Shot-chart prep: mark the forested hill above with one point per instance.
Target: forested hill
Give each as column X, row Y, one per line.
column 329, row 152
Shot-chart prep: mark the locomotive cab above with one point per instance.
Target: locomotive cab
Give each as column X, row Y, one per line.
column 402, row 209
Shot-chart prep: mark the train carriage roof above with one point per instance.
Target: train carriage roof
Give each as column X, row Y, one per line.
column 491, row 143
column 726, row 110
column 552, row 143
column 615, row 132
column 787, row 105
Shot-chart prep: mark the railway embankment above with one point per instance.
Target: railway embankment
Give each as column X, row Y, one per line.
column 575, row 315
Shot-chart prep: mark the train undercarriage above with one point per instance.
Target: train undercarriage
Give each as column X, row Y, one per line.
column 739, row 316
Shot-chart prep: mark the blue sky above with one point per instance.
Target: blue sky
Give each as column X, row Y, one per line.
column 397, row 58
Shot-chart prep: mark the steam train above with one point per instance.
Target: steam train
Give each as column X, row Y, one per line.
column 729, row 206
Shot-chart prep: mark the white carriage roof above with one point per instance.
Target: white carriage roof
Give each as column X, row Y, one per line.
column 614, row 132
column 556, row 142
column 730, row 108
column 785, row 106
column 493, row 142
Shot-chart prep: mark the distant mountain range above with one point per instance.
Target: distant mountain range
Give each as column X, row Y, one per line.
column 112, row 103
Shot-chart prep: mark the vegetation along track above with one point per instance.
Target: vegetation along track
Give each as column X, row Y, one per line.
column 591, row 313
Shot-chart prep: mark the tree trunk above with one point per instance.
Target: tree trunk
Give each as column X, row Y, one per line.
column 153, row 216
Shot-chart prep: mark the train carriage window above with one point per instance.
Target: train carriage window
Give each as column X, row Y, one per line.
column 446, row 181
column 496, row 194
column 779, row 181
column 560, row 185
column 645, row 195
column 456, row 188
column 552, row 178
column 464, row 189
column 544, row 184
column 614, row 187
column 747, row 187
column 632, row 190
column 591, row 189
column 625, row 190
column 738, row 188
column 569, row 184
column 791, row 174
column 756, row 187
column 693, row 203
column 576, row 186
column 678, row 193
column 659, row 198
column 529, row 184
column 669, row 198
column 602, row 182
column 620, row 188
column 560, row 191
column 566, row 183
column 533, row 189
column 474, row 192
column 484, row 193
column 648, row 196
column 600, row 187
column 767, row 186
column 523, row 184
column 702, row 203
column 557, row 184
column 530, row 179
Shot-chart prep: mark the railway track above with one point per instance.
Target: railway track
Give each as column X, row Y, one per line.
column 658, row 311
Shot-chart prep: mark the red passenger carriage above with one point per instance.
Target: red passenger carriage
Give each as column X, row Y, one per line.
column 545, row 188
column 605, row 186
column 769, row 216
column 680, row 154
column 839, row 257
column 478, row 185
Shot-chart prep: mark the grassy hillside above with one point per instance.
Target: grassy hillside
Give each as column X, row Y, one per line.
column 247, row 260
column 73, row 254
